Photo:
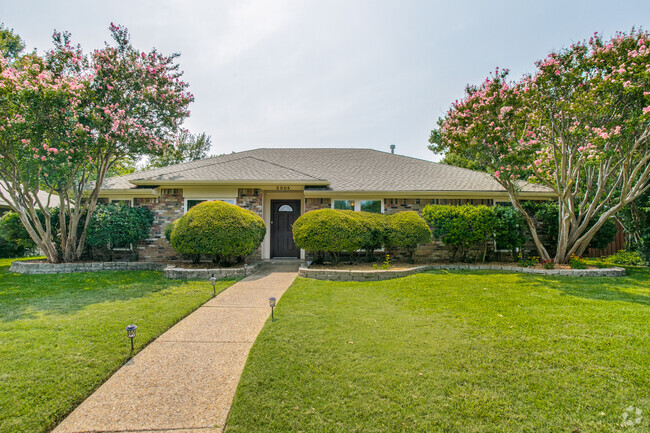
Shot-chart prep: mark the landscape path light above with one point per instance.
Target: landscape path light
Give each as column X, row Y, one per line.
column 272, row 305
column 213, row 280
column 130, row 332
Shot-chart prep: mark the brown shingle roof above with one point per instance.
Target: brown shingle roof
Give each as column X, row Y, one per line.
column 345, row 169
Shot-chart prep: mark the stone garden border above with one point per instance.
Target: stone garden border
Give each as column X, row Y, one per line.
column 170, row 271
column 380, row 275
column 30, row 267
column 175, row 273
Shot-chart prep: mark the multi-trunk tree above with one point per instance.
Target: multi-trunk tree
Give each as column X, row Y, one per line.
column 580, row 125
column 66, row 119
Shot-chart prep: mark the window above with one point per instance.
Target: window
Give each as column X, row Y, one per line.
column 373, row 206
column 285, row 208
column 190, row 203
column 344, row 204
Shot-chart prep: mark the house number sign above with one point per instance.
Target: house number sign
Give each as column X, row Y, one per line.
column 283, row 188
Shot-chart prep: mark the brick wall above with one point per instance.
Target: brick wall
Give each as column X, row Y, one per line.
column 253, row 200
column 167, row 208
column 317, row 203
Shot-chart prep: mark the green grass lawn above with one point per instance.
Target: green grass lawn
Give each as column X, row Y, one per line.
column 452, row 352
column 61, row 336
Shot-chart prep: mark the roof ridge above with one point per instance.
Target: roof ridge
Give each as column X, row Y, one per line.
column 287, row 168
column 197, row 166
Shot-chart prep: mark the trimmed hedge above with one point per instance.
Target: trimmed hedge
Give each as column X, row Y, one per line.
column 219, row 229
column 470, row 228
column 330, row 231
column 114, row 226
column 336, row 231
column 462, row 228
column 407, row 230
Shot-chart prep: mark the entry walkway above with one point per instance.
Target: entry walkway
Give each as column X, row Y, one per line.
column 185, row 381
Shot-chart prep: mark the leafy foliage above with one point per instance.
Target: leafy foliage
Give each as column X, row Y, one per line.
column 67, row 119
column 114, row 226
column 510, row 230
column 376, row 227
column 332, row 231
column 188, row 148
column 11, row 44
column 579, row 125
column 463, row 228
column 407, row 230
column 548, row 213
column 622, row 258
column 219, row 229
column 169, row 229
column 12, row 231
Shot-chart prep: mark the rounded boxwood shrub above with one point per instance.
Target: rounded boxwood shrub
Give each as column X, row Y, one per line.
column 376, row 228
column 407, row 230
column 330, row 231
column 219, row 229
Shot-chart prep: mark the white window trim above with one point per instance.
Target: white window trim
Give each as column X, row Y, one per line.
column 357, row 203
column 230, row 200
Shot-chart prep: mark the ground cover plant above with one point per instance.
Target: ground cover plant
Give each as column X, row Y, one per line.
column 452, row 352
column 63, row 335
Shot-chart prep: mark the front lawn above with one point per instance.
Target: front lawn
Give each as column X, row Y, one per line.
column 466, row 351
column 61, row 336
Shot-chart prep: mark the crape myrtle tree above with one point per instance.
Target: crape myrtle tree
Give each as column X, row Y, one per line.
column 579, row 125
column 66, row 119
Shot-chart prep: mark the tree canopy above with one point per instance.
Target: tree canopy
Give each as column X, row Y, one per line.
column 188, row 147
column 579, row 125
column 66, row 119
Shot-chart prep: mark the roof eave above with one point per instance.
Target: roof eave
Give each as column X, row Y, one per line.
column 528, row 195
column 247, row 182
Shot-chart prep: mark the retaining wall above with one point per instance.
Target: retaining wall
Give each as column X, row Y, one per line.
column 27, row 267
column 379, row 275
column 204, row 274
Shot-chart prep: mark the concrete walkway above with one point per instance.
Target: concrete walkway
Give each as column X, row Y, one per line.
column 185, row 381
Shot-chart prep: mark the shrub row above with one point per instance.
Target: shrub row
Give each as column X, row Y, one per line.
column 111, row 226
column 336, row 231
column 468, row 228
column 224, row 231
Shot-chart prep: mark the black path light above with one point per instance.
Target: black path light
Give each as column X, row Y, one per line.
column 130, row 332
column 272, row 305
column 213, row 280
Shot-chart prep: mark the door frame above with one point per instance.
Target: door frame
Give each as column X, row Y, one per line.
column 297, row 204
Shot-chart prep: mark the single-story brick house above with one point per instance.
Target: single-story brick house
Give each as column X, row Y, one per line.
column 281, row 184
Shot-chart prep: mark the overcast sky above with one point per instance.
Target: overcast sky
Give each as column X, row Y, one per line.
column 329, row 73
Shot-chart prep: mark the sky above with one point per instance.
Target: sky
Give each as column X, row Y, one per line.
column 329, row 73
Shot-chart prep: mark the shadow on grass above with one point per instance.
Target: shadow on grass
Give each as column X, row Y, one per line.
column 634, row 287
column 27, row 296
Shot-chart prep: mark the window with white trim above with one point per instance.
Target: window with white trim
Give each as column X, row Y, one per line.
column 369, row 205
column 191, row 202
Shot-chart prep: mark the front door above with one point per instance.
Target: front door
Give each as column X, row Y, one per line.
column 283, row 214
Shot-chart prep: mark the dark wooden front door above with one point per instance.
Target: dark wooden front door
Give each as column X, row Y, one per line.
column 283, row 214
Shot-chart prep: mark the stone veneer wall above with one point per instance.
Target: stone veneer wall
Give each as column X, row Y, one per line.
column 253, row 200
column 317, row 203
column 167, row 208
column 379, row 275
column 28, row 267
